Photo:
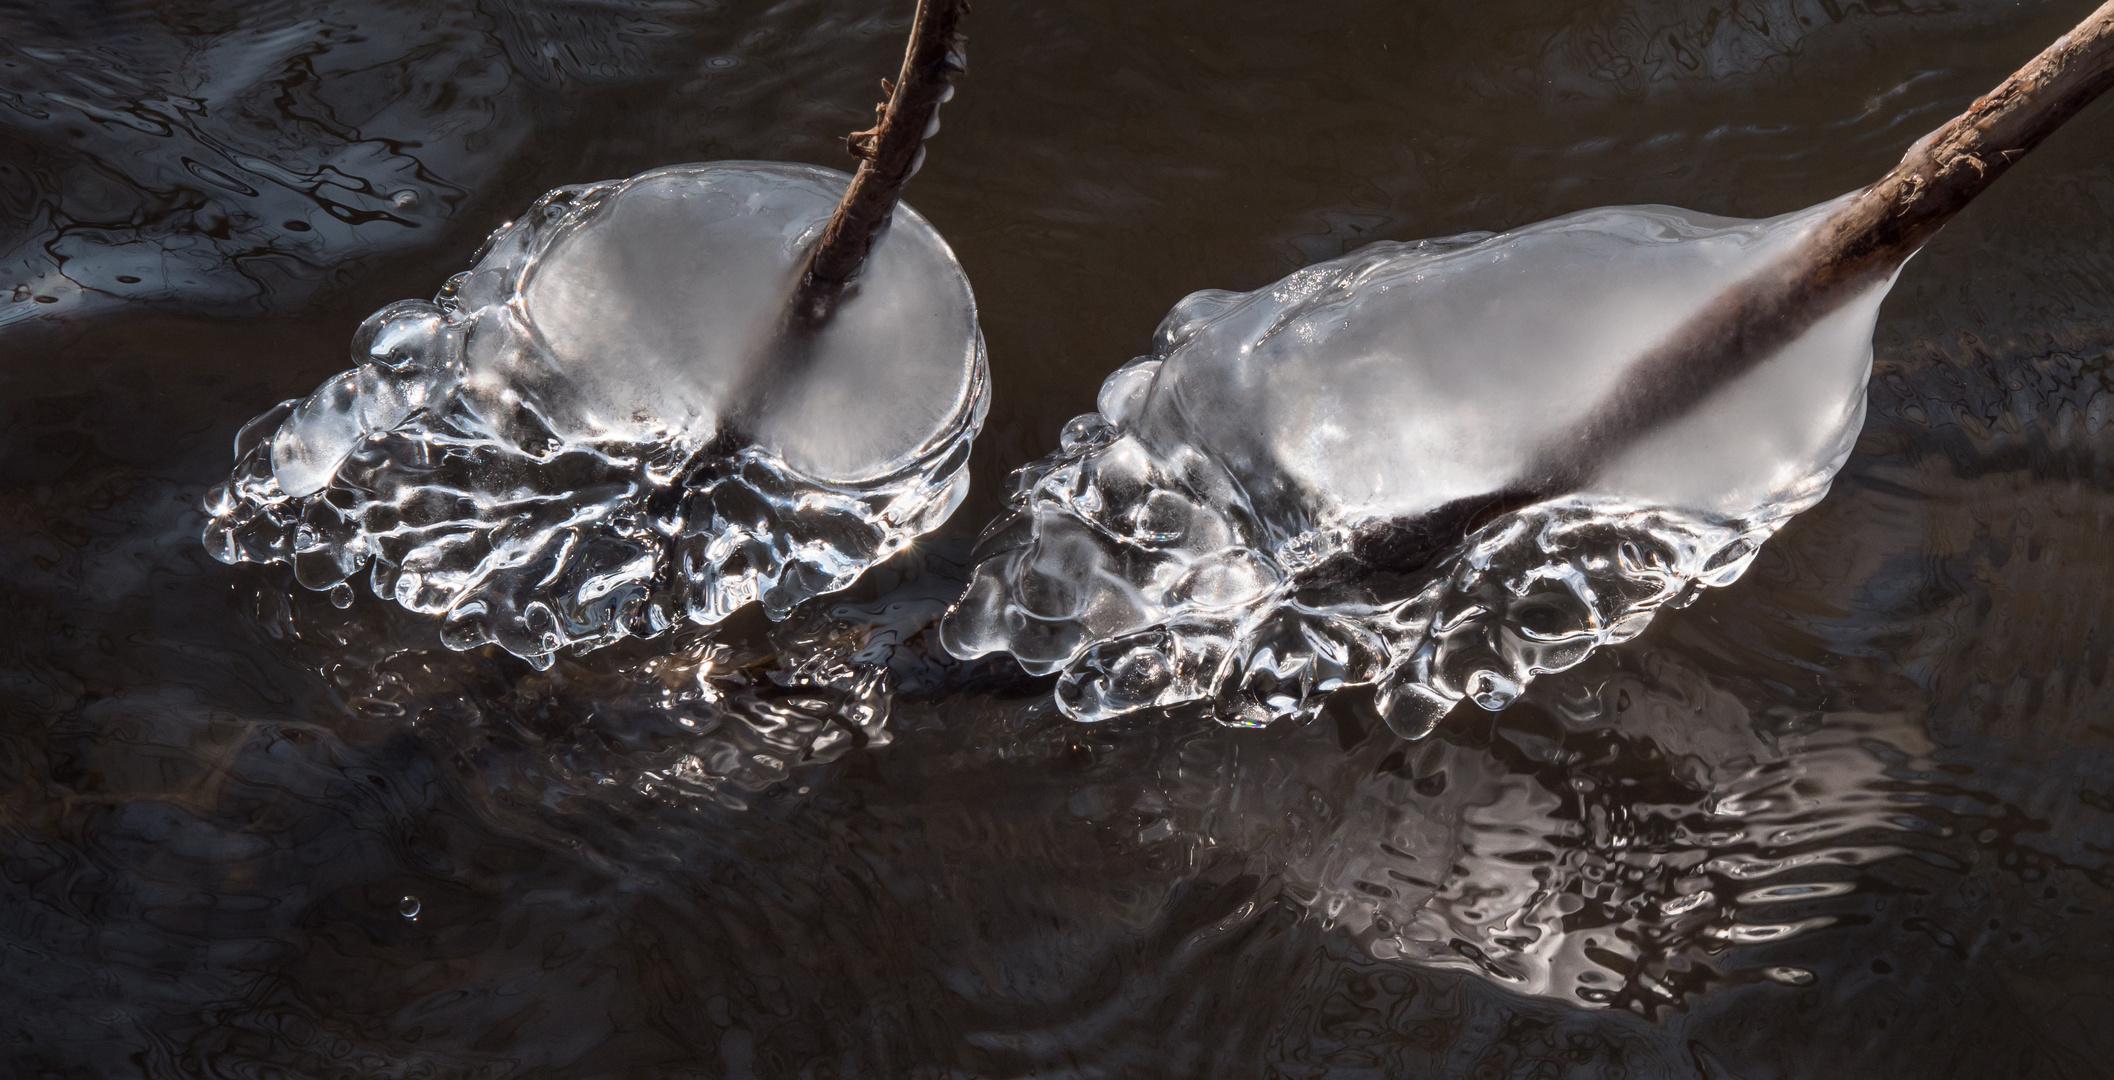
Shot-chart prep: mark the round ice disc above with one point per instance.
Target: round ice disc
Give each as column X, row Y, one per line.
column 666, row 297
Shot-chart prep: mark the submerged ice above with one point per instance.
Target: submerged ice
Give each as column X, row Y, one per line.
column 1170, row 550
column 600, row 430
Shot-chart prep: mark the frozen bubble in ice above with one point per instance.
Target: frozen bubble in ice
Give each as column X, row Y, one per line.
column 543, row 456
column 1167, row 552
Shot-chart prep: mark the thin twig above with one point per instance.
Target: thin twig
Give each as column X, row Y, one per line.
column 1852, row 250
column 889, row 154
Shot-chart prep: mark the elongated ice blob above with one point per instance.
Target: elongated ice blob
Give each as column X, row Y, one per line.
column 543, row 455
column 1161, row 555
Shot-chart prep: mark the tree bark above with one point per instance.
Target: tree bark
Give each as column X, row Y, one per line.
column 1852, row 250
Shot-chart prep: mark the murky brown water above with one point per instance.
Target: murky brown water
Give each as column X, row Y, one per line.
column 244, row 834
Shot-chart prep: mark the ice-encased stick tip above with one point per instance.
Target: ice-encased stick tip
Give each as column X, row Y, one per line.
column 1861, row 244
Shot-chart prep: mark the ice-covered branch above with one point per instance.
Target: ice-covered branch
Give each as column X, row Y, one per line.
column 890, row 153
column 1442, row 469
column 1864, row 240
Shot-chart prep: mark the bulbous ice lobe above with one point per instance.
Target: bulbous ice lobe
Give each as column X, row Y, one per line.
column 1156, row 558
column 537, row 455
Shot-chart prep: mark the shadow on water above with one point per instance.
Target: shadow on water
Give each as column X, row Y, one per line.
column 1851, row 816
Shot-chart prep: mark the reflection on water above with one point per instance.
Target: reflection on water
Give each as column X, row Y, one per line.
column 1850, row 816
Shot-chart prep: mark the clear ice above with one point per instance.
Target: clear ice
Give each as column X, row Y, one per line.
column 537, row 456
column 1157, row 557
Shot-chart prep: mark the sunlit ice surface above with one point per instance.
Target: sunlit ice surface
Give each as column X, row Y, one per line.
column 1155, row 559
column 537, row 456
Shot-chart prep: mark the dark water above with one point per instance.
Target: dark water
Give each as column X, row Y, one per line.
column 1851, row 817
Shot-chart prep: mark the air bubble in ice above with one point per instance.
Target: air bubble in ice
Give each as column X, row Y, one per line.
column 1166, row 553
column 542, row 456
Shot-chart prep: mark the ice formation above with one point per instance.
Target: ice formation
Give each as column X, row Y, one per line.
column 1166, row 552
column 542, row 456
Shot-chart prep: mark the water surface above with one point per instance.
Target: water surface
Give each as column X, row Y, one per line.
column 243, row 832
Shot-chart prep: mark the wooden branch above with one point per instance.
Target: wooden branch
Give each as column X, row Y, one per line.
column 890, row 153
column 1852, row 250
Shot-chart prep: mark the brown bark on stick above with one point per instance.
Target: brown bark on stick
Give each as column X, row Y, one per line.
column 1852, row 250
column 890, row 153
